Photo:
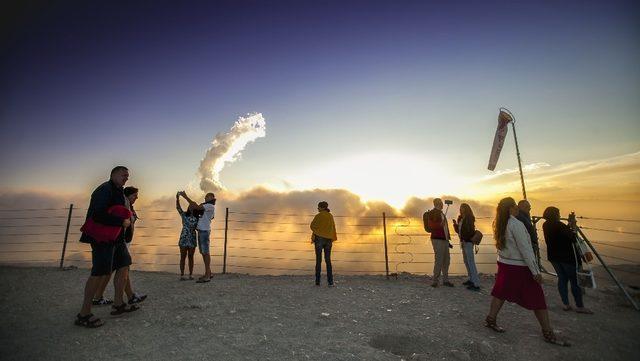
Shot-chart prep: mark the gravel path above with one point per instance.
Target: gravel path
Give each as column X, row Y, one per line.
column 242, row 317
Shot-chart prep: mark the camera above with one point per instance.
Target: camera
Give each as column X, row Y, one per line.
column 448, row 202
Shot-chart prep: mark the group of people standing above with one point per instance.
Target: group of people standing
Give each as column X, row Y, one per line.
column 112, row 217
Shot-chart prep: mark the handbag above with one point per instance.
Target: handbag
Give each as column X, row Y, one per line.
column 477, row 237
column 584, row 272
column 102, row 233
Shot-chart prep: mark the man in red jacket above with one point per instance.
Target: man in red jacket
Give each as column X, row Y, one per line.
column 106, row 257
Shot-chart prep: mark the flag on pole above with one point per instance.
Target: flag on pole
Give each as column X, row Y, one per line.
column 498, row 141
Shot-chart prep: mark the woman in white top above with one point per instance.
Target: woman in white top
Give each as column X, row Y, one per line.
column 518, row 279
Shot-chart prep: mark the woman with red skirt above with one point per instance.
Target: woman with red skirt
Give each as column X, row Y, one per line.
column 518, row 279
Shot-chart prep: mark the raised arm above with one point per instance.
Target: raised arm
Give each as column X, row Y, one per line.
column 193, row 204
column 178, row 206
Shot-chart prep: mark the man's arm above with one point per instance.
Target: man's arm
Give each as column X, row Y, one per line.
column 193, row 204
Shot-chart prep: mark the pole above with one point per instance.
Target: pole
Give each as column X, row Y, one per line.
column 386, row 253
column 515, row 137
column 626, row 294
column 66, row 235
column 226, row 229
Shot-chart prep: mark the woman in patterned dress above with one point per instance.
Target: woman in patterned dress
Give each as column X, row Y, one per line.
column 187, row 241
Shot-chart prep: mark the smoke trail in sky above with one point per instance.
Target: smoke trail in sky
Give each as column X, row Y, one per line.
column 227, row 148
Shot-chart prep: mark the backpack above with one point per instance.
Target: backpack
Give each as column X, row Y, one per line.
column 425, row 220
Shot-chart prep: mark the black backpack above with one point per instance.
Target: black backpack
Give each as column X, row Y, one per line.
column 425, row 220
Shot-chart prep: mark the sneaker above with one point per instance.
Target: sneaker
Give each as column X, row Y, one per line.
column 101, row 301
column 448, row 284
column 137, row 299
column 473, row 288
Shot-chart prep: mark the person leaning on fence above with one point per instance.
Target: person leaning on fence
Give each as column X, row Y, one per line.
column 466, row 228
column 187, row 241
column 324, row 233
column 204, row 230
column 106, row 256
column 524, row 216
column 131, row 195
column 436, row 223
column 518, row 279
column 561, row 252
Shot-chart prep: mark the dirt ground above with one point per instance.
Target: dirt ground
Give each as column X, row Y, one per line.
column 242, row 317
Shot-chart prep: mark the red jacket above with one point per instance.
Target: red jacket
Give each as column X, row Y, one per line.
column 102, row 233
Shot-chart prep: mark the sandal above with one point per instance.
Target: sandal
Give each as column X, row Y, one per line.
column 88, row 322
column 118, row 310
column 550, row 337
column 137, row 298
column 490, row 322
column 203, row 280
column 101, row 301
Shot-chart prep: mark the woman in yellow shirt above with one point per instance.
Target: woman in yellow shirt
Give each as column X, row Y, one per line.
column 324, row 233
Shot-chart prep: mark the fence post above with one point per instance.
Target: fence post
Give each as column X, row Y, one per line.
column 386, row 253
column 226, row 228
column 66, row 235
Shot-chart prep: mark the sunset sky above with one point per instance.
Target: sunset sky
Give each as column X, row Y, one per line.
column 386, row 99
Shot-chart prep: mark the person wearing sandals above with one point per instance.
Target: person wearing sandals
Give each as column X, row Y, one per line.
column 204, row 230
column 324, row 233
column 106, row 256
column 440, row 237
column 187, row 242
column 466, row 228
column 518, row 279
column 131, row 195
column 561, row 252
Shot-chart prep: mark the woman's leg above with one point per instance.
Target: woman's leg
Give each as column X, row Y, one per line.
column 471, row 269
column 183, row 255
column 496, row 305
column 576, row 291
column 127, row 288
column 327, row 260
column 318, row 247
column 192, row 251
column 562, row 282
column 465, row 258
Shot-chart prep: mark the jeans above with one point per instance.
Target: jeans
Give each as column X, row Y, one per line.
column 470, row 262
column 321, row 244
column 567, row 273
column 443, row 258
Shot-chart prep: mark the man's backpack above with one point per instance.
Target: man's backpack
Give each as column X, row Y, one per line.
column 425, row 220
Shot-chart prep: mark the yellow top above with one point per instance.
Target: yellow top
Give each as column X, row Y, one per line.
column 324, row 226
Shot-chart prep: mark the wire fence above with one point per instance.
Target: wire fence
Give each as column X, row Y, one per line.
column 269, row 242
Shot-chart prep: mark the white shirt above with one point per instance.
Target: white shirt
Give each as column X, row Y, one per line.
column 517, row 248
column 204, row 222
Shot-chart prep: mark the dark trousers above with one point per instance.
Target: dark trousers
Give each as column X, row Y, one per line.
column 567, row 273
column 321, row 244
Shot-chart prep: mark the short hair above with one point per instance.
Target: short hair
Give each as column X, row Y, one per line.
column 551, row 214
column 523, row 202
column 323, row 205
column 436, row 200
column 118, row 168
column 130, row 190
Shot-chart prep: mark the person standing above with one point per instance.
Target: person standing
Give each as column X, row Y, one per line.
column 518, row 279
column 106, row 257
column 187, row 241
column 204, row 230
column 561, row 252
column 436, row 223
column 323, row 236
column 466, row 228
column 524, row 216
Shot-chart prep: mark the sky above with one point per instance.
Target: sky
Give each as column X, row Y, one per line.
column 386, row 99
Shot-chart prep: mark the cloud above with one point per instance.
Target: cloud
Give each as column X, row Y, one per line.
column 227, row 148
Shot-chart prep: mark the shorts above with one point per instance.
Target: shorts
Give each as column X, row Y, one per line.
column 108, row 257
column 203, row 241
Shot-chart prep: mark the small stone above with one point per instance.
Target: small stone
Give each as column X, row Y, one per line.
column 325, row 314
column 460, row 355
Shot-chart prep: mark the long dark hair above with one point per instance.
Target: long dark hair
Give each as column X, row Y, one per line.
column 468, row 212
column 503, row 212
